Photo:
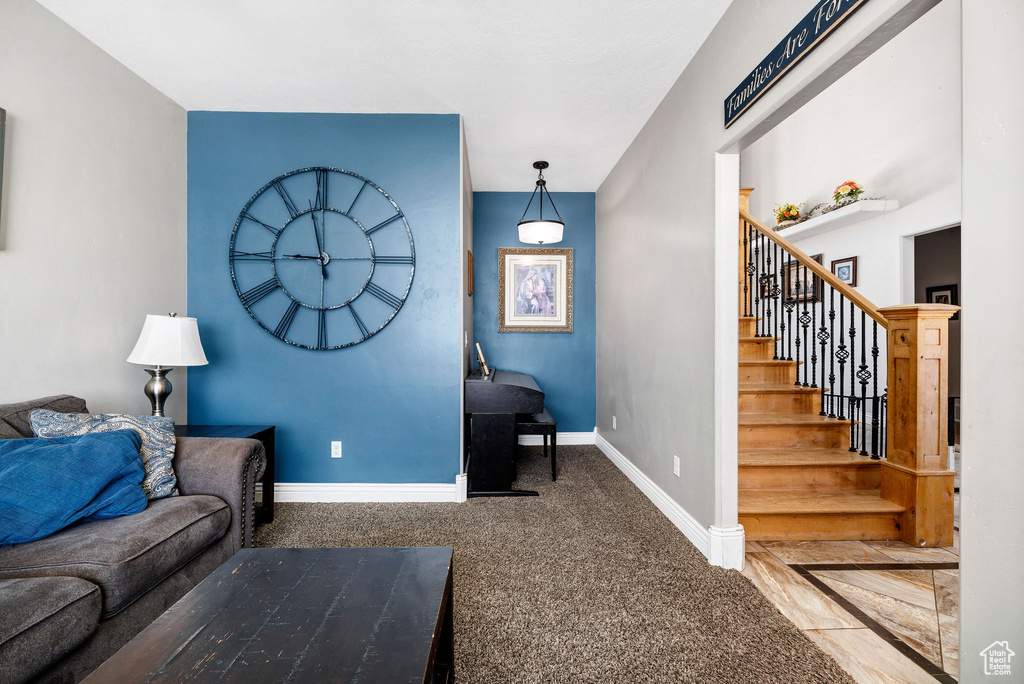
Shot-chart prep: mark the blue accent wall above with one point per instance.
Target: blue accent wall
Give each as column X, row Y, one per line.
column 563, row 364
column 392, row 400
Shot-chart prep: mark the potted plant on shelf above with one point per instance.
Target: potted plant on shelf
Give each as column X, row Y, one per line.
column 787, row 215
column 847, row 193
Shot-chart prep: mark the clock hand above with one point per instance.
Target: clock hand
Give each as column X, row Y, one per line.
column 298, row 256
column 316, row 230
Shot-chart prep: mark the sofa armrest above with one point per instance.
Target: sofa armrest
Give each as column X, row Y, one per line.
column 224, row 467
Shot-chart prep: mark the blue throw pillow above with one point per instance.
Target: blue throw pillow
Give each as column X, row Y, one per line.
column 48, row 484
column 157, row 433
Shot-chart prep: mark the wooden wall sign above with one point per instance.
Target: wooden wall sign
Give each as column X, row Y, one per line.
column 812, row 29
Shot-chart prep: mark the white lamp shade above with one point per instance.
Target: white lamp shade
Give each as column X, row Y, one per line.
column 540, row 232
column 169, row 341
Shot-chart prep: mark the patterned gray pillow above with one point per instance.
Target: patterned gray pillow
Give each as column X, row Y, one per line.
column 157, row 433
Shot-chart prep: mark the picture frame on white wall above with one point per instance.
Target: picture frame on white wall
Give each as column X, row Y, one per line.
column 799, row 282
column 846, row 270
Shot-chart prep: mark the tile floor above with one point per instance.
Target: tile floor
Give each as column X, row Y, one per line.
column 885, row 611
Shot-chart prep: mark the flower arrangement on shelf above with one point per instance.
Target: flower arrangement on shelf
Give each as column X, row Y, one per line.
column 847, row 192
column 787, row 214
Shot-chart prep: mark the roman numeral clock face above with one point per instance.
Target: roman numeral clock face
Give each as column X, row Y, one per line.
column 322, row 258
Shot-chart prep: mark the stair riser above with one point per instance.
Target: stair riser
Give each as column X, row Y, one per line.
column 748, row 327
column 780, row 402
column 757, row 349
column 768, row 374
column 830, row 436
column 821, row 527
column 809, row 478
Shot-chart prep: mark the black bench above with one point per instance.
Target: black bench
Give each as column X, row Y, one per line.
column 539, row 424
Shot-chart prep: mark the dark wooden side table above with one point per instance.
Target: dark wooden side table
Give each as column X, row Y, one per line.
column 264, row 433
column 303, row 616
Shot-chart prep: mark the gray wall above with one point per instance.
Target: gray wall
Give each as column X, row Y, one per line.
column 992, row 524
column 937, row 262
column 657, row 352
column 92, row 233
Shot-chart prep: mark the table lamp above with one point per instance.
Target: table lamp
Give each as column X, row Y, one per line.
column 166, row 341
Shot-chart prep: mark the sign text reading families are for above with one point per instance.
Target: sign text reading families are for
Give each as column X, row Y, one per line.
column 818, row 23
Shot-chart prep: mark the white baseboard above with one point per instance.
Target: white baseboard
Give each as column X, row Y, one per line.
column 722, row 547
column 333, row 492
column 566, row 438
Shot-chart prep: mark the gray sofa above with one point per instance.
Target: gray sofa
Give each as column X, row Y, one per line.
column 69, row 601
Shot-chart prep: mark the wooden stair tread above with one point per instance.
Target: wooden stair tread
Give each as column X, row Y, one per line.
column 804, row 456
column 789, row 419
column 753, row 338
column 827, row 503
column 786, row 388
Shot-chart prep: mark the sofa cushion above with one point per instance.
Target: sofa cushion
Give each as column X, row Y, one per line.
column 42, row 619
column 14, row 418
column 49, row 484
column 125, row 556
column 156, row 432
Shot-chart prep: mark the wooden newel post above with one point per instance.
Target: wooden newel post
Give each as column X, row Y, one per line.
column 915, row 473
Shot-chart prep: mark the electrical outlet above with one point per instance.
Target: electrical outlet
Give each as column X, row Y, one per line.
column 613, row 423
column 335, row 449
column 675, row 466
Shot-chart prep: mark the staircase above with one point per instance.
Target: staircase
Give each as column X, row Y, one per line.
column 798, row 480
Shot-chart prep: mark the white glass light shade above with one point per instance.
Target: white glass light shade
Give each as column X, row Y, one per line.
column 169, row 341
column 540, row 232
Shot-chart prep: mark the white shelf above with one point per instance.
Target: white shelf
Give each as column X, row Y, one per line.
column 848, row 215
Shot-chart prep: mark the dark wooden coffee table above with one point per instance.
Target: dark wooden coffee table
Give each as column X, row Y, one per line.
column 303, row 615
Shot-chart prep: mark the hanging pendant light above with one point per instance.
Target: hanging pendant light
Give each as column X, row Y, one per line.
column 540, row 231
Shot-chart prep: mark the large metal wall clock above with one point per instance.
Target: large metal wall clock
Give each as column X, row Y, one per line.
column 322, row 258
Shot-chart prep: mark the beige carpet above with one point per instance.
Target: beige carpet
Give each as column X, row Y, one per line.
column 588, row 582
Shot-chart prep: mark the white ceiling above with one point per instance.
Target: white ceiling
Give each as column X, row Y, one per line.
column 569, row 81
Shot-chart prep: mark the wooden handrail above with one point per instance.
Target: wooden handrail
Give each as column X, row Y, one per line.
column 826, row 275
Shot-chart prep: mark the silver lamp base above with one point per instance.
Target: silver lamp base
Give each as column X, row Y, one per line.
column 158, row 388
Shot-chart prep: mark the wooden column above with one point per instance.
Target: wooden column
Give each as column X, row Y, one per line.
column 744, row 207
column 915, row 473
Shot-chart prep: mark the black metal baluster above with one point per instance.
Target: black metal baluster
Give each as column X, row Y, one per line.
column 864, row 375
column 787, row 324
column 767, row 293
column 832, row 356
column 746, row 268
column 823, row 339
column 853, row 422
column 814, row 326
column 853, row 387
column 763, row 285
column 775, row 303
column 805, row 319
column 876, row 404
column 757, row 294
column 795, row 274
column 885, row 423
column 841, row 355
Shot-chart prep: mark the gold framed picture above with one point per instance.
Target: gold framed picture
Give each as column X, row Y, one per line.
column 534, row 290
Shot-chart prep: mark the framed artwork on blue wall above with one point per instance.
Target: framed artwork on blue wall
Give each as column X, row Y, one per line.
column 534, row 290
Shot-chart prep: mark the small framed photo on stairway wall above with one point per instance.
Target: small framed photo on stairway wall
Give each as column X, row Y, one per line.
column 846, row 270
column 801, row 285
